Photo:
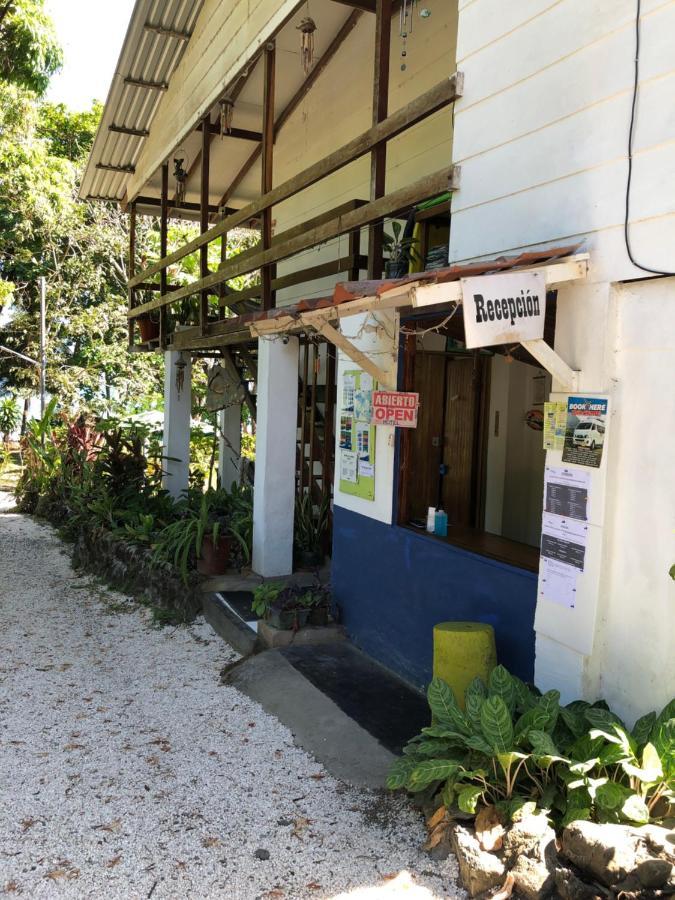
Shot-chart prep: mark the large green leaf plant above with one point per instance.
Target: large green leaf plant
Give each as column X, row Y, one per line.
column 522, row 751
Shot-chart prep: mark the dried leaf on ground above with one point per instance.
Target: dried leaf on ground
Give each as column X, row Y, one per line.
column 210, row 842
column 506, row 889
column 299, row 825
column 489, row 829
column 115, row 861
column 438, row 817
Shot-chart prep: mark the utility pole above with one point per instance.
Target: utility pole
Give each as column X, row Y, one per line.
column 43, row 343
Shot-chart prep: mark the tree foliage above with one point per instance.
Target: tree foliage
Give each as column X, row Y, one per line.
column 29, row 51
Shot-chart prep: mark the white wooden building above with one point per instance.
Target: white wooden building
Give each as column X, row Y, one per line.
column 532, row 139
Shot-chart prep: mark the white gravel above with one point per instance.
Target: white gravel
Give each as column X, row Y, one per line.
column 127, row 770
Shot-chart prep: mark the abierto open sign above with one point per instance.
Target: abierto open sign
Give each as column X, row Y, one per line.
column 395, row 408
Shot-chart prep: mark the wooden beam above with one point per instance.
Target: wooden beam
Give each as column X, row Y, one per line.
column 150, row 85
column 132, row 267
column 423, row 106
column 187, row 207
column 319, row 67
column 134, row 132
column 168, row 32
column 106, row 167
column 163, row 247
column 363, row 5
column 549, row 360
column 378, row 156
column 240, row 133
column 364, row 362
column 204, row 225
column 249, row 261
column 268, row 272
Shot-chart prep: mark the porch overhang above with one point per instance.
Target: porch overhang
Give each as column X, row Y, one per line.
column 435, row 291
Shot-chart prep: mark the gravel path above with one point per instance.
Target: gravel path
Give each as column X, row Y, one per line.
column 128, row 771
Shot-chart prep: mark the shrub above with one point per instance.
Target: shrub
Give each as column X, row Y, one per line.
column 522, row 751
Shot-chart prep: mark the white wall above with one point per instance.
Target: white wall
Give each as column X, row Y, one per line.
column 541, row 132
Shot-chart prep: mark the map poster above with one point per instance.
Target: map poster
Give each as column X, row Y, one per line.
column 555, row 425
column 585, row 431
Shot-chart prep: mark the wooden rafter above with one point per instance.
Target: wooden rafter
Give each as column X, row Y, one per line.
column 150, row 85
column 168, row 32
column 134, row 132
column 268, row 272
column 204, row 226
column 424, row 105
column 378, row 156
column 297, row 98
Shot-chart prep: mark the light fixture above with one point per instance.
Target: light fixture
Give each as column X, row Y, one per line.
column 180, row 174
column 307, row 29
column 226, row 113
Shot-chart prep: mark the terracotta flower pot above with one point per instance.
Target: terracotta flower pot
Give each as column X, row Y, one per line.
column 215, row 558
column 149, row 330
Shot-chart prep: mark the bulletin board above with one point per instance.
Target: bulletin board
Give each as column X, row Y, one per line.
column 357, row 435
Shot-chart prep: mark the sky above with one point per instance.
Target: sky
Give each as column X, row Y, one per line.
column 91, row 33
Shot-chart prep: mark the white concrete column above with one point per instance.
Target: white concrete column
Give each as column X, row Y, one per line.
column 276, row 439
column 177, row 412
column 229, row 445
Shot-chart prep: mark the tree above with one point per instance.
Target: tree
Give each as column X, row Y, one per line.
column 29, row 51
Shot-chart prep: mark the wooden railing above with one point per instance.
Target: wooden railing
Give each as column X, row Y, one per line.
column 309, row 234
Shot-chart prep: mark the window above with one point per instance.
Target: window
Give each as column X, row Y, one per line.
column 477, row 451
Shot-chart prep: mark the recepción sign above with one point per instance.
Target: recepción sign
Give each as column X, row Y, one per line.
column 504, row 309
column 395, row 408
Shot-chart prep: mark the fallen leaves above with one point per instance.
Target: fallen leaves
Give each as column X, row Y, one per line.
column 11, row 887
column 438, row 826
column 162, row 743
column 63, row 871
column 506, row 889
column 115, row 861
column 489, row 829
column 210, row 842
column 111, row 827
column 27, row 823
column 299, row 825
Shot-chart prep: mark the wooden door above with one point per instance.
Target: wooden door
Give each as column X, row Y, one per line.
column 460, row 440
column 427, row 438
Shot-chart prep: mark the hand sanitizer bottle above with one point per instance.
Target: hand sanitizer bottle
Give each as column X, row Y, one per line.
column 441, row 523
column 431, row 520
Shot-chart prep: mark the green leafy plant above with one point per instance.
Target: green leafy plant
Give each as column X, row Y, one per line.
column 311, row 523
column 518, row 750
column 264, row 596
column 9, row 417
column 402, row 251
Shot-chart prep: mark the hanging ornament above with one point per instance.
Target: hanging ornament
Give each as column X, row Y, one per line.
column 181, row 365
column 307, row 28
column 226, row 113
column 180, row 174
column 406, row 28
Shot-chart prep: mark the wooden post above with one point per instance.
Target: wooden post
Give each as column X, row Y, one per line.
column 268, row 271
column 132, row 266
column 378, row 157
column 163, row 248
column 204, row 221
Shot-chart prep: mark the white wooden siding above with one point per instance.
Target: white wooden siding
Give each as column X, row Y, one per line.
column 541, row 133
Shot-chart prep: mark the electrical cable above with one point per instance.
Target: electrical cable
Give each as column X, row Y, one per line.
column 631, row 136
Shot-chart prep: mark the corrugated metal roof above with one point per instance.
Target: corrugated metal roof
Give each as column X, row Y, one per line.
column 146, row 55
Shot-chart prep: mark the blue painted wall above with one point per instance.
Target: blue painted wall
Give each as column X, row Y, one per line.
column 394, row 585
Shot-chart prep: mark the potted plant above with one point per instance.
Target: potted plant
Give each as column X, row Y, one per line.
column 286, row 607
column 148, row 327
column 319, row 608
column 401, row 250
column 311, row 525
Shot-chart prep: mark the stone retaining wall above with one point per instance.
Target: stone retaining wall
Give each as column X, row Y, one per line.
column 127, row 567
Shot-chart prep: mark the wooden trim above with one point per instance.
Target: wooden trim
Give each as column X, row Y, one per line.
column 255, row 258
column 362, row 5
column 134, row 132
column 303, row 416
column 423, row 106
column 267, row 271
column 167, row 32
column 242, row 134
column 107, row 167
column 378, row 156
column 150, row 85
column 204, row 226
column 364, row 362
column 163, row 247
column 295, row 101
column 405, row 434
column 132, row 268
column 189, row 207
column 549, row 360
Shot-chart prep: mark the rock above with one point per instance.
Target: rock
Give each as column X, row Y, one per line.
column 532, row 878
column 532, row 837
column 262, row 854
column 571, row 887
column 441, row 851
column 613, row 853
column 654, row 873
column 480, row 871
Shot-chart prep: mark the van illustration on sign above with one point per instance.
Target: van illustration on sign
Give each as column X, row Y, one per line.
column 504, row 309
column 585, row 432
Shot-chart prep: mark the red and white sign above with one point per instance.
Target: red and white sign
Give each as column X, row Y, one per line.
column 395, row 408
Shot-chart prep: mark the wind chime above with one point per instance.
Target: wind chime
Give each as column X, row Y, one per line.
column 180, row 175
column 307, row 29
column 407, row 13
column 226, row 114
column 181, row 365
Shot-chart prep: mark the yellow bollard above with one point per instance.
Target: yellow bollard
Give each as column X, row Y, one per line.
column 463, row 650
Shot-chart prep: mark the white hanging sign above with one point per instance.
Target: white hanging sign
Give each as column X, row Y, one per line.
column 504, row 309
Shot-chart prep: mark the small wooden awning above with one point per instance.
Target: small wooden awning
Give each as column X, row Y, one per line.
column 434, row 290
